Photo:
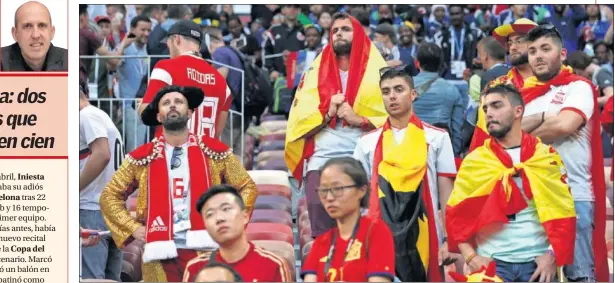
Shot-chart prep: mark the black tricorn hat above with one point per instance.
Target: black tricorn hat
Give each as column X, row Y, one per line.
column 194, row 95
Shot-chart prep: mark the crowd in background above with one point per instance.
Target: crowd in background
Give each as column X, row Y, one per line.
column 448, row 50
column 266, row 34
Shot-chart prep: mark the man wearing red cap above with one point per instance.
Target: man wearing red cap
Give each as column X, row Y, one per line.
column 171, row 173
column 512, row 36
column 337, row 100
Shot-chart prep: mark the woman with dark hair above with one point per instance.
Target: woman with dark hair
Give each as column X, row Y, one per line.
column 358, row 249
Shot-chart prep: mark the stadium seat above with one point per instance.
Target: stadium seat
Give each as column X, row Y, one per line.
column 274, row 177
column 271, row 145
column 270, row 235
column 270, row 155
column 273, row 137
column 128, row 272
column 270, row 227
column 271, row 216
column 303, row 240
column 273, row 202
column 273, row 118
column 274, row 190
column 273, row 164
column 274, row 126
column 136, row 261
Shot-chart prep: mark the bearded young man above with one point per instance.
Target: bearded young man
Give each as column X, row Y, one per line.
column 337, row 100
column 171, row 173
column 510, row 203
column 562, row 110
column 512, row 36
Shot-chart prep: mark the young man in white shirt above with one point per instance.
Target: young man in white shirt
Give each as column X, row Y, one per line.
column 100, row 153
column 398, row 94
column 562, row 110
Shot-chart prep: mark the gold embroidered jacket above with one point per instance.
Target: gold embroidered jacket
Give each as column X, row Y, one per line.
column 132, row 175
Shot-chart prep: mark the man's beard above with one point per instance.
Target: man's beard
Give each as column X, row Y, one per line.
column 175, row 124
column 550, row 74
column 342, row 47
column 405, row 40
column 502, row 132
column 521, row 60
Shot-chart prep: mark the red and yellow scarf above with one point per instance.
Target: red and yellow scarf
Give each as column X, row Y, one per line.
column 398, row 171
column 159, row 223
column 533, row 89
column 485, row 193
column 321, row 82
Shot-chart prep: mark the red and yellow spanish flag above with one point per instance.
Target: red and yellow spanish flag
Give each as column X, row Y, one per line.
column 400, row 195
column 480, row 130
column 321, row 82
column 485, row 193
column 533, row 89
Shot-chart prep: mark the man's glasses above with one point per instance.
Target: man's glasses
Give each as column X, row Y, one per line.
column 335, row 191
column 175, row 161
column 392, row 71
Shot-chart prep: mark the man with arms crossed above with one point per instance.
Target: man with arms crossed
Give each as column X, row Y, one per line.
column 562, row 110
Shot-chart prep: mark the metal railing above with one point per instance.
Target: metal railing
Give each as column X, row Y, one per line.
column 129, row 102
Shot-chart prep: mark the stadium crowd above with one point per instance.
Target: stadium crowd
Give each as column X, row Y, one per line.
column 382, row 142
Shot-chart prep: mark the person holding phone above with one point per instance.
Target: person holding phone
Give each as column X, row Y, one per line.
column 357, row 249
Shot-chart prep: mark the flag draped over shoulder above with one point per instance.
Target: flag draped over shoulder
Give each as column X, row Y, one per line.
column 400, row 195
column 485, row 193
column 533, row 89
column 321, row 82
column 480, row 130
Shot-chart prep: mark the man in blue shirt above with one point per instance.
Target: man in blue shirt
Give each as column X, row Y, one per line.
column 131, row 71
column 566, row 18
column 438, row 102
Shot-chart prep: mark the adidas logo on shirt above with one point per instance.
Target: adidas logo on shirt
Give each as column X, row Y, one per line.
column 158, row 226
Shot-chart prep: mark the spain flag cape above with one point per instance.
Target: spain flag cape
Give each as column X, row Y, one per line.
column 480, row 130
column 534, row 89
column 607, row 122
column 401, row 196
column 485, row 193
column 320, row 83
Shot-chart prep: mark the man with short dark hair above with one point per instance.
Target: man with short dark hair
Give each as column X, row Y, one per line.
column 458, row 43
column 100, row 154
column 562, row 110
column 412, row 167
column 130, row 73
column 492, row 56
column 171, row 173
column 386, row 35
column 217, row 272
column 600, row 77
column 438, row 101
column 511, row 203
column 187, row 68
column 288, row 36
column 225, row 216
column 33, row 50
column 333, row 106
